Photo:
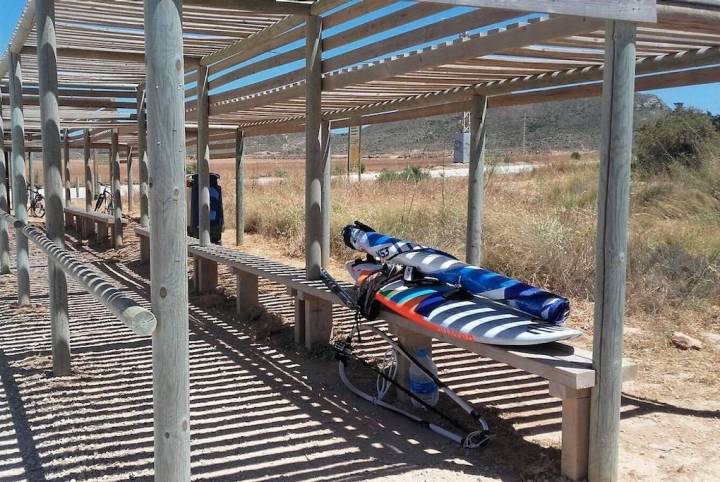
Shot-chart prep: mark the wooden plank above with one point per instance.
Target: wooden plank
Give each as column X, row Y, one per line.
column 66, row 165
column 629, row 10
column 575, row 437
column 260, row 6
column 53, row 183
column 168, row 262
column 325, row 186
column 247, row 292
column 476, row 180
column 313, row 152
column 611, row 251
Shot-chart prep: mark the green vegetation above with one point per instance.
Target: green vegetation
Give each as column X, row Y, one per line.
column 575, row 156
column 409, row 174
column 683, row 137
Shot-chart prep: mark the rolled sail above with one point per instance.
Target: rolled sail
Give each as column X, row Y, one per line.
column 448, row 269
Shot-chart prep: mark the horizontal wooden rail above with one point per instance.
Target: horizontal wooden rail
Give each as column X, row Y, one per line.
column 141, row 321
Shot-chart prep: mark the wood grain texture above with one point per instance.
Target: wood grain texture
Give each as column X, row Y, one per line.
column 476, row 180
column 325, row 187
column 168, row 249
column 89, row 183
column 611, row 251
column 53, row 182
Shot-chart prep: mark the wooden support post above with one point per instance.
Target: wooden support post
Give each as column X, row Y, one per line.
column 95, row 175
column 313, row 150
column 611, row 252
column 53, row 181
column 143, row 158
column 88, row 226
column 168, row 264
column 117, row 231
column 326, row 166
column 239, row 187
column 412, row 342
column 129, row 181
column 317, row 321
column 22, row 260
column 575, row 426
column 203, row 158
column 473, row 244
column 247, row 292
column 205, row 275
column 299, row 318
column 77, row 187
column 66, row 166
column 31, row 174
column 4, row 234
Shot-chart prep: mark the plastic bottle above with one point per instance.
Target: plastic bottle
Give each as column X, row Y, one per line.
column 421, row 385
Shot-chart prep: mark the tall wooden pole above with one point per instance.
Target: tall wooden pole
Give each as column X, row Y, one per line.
column 613, row 211
column 19, row 184
column 203, row 157
column 473, row 244
column 239, row 187
column 4, row 234
column 313, row 148
column 89, row 183
column 325, row 189
column 31, row 175
column 168, row 262
column 116, row 185
column 130, row 183
column 143, row 158
column 66, row 166
column 53, row 181
column 95, row 176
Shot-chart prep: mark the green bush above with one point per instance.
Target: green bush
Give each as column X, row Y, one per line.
column 683, row 137
column 575, row 156
column 410, row 173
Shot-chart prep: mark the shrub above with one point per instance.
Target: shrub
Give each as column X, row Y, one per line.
column 683, row 137
column 575, row 156
column 410, row 173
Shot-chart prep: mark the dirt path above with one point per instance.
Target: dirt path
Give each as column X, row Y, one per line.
column 262, row 409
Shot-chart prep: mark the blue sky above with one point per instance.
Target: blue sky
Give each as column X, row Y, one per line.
column 705, row 97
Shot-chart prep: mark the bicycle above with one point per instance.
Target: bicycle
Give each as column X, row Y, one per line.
column 105, row 197
column 37, row 202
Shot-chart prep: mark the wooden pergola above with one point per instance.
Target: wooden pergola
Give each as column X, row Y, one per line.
column 164, row 76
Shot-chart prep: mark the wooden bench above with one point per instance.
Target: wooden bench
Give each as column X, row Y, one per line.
column 87, row 223
column 568, row 370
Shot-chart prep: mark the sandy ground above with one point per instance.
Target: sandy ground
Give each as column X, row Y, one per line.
column 262, row 409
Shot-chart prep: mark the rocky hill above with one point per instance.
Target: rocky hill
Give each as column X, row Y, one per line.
column 566, row 125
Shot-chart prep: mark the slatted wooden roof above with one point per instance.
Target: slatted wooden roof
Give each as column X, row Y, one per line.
column 383, row 60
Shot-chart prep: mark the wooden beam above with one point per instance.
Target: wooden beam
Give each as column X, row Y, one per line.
column 632, row 10
column 313, row 152
column 476, row 180
column 168, row 249
column 109, row 55
column 22, row 32
column 66, row 166
column 260, row 6
column 611, row 253
column 326, row 169
column 53, row 182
